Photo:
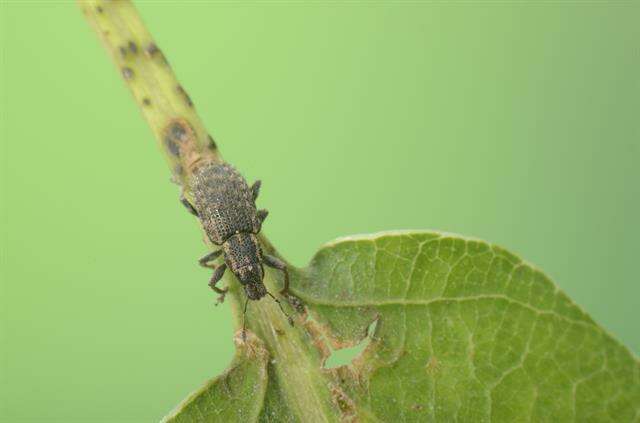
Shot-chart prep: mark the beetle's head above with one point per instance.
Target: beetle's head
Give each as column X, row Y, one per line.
column 250, row 277
column 255, row 291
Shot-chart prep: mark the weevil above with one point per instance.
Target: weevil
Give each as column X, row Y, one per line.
column 226, row 208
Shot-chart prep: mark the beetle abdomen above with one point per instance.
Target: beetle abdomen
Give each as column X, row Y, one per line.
column 224, row 202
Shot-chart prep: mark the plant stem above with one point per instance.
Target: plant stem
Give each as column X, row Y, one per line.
column 296, row 363
column 146, row 71
column 303, row 385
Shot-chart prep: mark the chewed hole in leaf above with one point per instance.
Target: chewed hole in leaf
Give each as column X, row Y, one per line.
column 346, row 356
column 461, row 330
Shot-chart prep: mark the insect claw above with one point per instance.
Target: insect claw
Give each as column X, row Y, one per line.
column 294, row 302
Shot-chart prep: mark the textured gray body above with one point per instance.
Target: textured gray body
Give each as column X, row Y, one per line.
column 224, row 202
column 226, row 207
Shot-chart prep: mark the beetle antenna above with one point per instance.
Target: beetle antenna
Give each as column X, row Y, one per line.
column 244, row 320
column 289, row 318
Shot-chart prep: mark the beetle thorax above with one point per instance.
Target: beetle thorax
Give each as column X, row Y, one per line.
column 244, row 258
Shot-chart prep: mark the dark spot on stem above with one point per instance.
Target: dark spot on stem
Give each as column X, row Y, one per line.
column 177, row 133
column 123, row 51
column 184, row 95
column 146, row 101
column 178, row 170
column 212, row 144
column 127, row 73
column 133, row 47
column 99, row 9
column 172, row 146
column 152, row 49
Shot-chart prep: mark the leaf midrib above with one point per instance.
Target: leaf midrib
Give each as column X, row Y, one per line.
column 405, row 302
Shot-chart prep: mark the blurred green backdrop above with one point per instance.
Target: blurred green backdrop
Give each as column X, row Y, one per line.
column 517, row 123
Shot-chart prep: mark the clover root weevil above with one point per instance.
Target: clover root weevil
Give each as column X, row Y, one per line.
column 226, row 208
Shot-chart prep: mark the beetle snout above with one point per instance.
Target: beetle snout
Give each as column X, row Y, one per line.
column 255, row 291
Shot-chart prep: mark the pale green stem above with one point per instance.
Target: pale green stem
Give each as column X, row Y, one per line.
column 184, row 139
column 146, row 71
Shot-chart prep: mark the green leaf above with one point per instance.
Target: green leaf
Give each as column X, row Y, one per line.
column 464, row 331
column 231, row 396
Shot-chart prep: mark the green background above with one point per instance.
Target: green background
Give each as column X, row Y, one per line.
column 513, row 122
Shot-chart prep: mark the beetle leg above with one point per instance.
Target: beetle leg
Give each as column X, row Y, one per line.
column 262, row 214
column 217, row 275
column 276, row 263
column 188, row 205
column 255, row 189
column 206, row 260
